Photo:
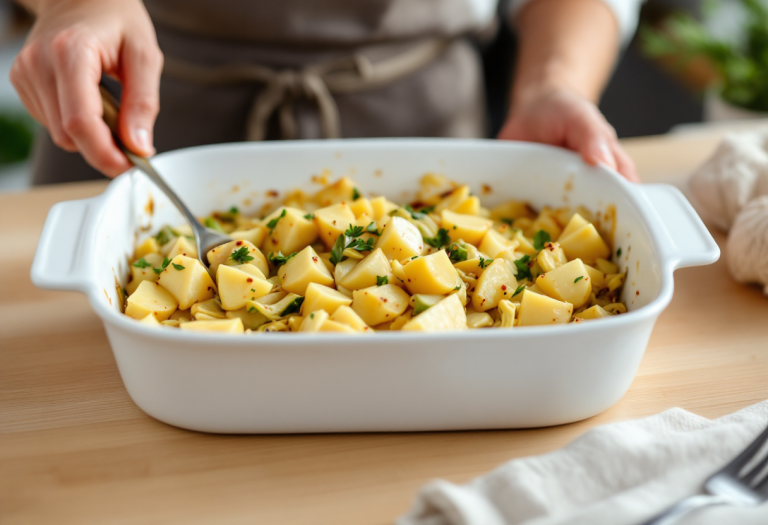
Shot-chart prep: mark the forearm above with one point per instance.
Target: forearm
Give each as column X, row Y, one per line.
column 570, row 44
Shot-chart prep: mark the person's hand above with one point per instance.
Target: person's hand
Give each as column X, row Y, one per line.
column 58, row 70
column 562, row 118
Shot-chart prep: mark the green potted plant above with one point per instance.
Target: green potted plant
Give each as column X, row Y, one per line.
column 736, row 65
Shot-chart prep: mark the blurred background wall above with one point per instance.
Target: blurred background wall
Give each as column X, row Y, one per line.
column 642, row 98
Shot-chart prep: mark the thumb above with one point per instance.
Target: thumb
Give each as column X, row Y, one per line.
column 141, row 65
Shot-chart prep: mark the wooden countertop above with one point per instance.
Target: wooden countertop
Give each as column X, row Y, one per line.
column 75, row 449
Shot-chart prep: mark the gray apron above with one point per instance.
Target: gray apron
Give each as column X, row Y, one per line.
column 284, row 69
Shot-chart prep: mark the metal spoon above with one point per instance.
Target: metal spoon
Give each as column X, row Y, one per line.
column 205, row 238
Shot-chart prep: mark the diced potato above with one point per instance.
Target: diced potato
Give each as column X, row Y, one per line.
column 304, row 268
column 507, row 311
column 576, row 223
column 333, row 221
column 473, row 266
column 479, row 320
column 447, row 315
column 313, row 321
column 570, row 283
column 333, row 326
column 223, row 255
column 173, row 323
column 292, row 232
column 294, row 323
column 470, row 228
column 596, row 277
column 255, row 235
column 210, row 309
column 551, row 257
column 400, row 239
column 431, row 274
column 139, row 274
column 398, row 272
column 347, row 316
column 228, row 326
column 381, row 208
column 150, row 299
column 512, row 210
column 421, row 302
column 494, row 243
column 182, row 246
column 274, row 326
column 614, row 281
column 606, row 266
column 545, row 221
column 288, row 305
column 150, row 320
column 366, row 272
column 379, row 304
column 469, row 206
column 593, row 312
column 362, row 207
column 342, row 190
column 326, row 258
column 187, row 280
column 238, row 284
column 453, row 199
column 585, row 244
column 616, row 308
column 432, row 187
column 150, row 245
column 524, row 246
column 273, row 298
column 321, row 297
column 536, row 309
column 343, row 268
column 496, row 283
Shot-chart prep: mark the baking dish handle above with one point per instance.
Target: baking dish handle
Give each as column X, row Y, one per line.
column 685, row 240
column 59, row 262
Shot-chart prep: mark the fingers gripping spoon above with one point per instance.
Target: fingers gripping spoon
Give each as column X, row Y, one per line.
column 205, row 238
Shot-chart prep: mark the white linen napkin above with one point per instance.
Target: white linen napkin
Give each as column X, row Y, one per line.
column 618, row 474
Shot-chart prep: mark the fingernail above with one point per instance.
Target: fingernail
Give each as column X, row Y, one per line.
column 604, row 154
column 141, row 137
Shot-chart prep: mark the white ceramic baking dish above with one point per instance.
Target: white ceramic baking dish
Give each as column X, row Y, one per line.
column 264, row 383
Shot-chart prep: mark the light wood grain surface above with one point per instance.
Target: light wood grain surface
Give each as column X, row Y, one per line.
column 75, row 449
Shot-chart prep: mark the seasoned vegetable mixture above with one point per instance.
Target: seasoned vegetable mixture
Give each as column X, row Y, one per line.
column 341, row 262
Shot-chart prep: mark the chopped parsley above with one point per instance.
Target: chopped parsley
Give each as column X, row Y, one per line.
column 141, row 263
column 164, row 236
column 441, row 239
column 312, row 315
column 484, row 262
column 415, row 215
column 349, row 239
column 540, row 239
column 618, row 253
column 458, row 287
column 354, row 231
column 178, row 266
column 518, row 290
column 382, row 280
column 210, row 222
column 234, row 211
column 457, row 252
column 577, row 279
column 278, row 259
column 292, row 307
column 523, row 269
column 428, row 209
column 371, row 228
column 508, row 222
column 338, row 249
column 241, row 255
column 361, row 245
column 355, row 194
column 166, row 262
column 273, row 223
column 310, row 216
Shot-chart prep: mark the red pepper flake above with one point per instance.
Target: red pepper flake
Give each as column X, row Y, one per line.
column 503, row 286
column 384, row 299
column 272, row 193
column 637, row 292
column 314, row 258
column 238, row 243
column 249, row 280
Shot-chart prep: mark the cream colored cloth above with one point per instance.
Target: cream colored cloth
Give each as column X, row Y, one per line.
column 616, row 474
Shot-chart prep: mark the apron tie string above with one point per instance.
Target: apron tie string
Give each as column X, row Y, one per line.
column 316, row 83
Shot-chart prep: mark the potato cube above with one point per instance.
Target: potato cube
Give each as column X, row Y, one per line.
column 576, row 223
column 313, row 321
column 150, row 320
column 304, row 268
column 536, row 309
column 255, row 235
column 238, row 284
column 497, row 282
column 473, row 266
column 431, row 274
column 596, row 277
column 551, row 257
column 606, row 266
column 479, row 320
column 223, row 255
column 150, row 299
column 585, row 244
column 227, row 326
column 289, row 230
column 469, row 206
column 367, row 271
column 207, row 310
column 570, row 283
column 447, row 315
column 321, row 297
column 507, row 311
column 453, row 199
column 494, row 243
column 546, row 221
column 512, row 210
column 182, row 246
column 593, row 312
column 400, row 239
column 379, row 304
column 334, row 326
column 150, row 245
column 333, row 221
column 421, row 302
column 347, row 316
column 288, row 305
column 381, row 208
column 144, row 270
column 470, row 228
column 250, row 320
column 343, row 190
column 187, row 280
column 362, row 207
